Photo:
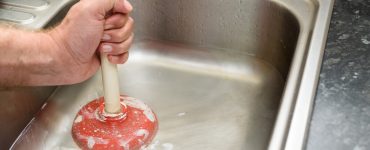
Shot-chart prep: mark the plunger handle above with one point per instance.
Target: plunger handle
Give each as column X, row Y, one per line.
column 110, row 85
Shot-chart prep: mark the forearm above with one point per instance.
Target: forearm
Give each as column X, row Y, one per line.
column 26, row 58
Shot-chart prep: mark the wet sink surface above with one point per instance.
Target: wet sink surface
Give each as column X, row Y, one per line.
column 216, row 80
column 200, row 104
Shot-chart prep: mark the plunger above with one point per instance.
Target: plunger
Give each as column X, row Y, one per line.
column 113, row 121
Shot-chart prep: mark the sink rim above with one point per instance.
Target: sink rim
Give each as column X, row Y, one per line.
column 292, row 123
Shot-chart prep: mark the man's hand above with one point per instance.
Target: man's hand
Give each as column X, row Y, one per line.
column 68, row 53
column 91, row 27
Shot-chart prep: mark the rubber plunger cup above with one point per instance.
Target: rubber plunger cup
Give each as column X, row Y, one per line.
column 114, row 121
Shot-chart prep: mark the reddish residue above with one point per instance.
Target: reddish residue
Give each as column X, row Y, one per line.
column 133, row 132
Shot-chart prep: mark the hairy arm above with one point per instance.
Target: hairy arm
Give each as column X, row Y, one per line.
column 27, row 58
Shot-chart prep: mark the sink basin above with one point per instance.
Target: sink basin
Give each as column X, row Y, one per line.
column 221, row 75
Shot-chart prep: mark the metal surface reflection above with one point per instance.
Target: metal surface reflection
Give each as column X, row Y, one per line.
column 216, row 80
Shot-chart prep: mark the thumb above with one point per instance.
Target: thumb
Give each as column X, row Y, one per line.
column 122, row 6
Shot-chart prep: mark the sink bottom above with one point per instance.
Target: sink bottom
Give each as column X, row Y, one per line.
column 204, row 98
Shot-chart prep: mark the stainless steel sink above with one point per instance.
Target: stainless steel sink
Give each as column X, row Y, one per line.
column 237, row 74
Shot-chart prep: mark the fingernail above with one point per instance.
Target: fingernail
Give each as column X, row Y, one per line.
column 107, row 48
column 109, row 26
column 106, row 37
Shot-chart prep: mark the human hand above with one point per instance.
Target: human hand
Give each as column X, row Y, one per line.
column 87, row 31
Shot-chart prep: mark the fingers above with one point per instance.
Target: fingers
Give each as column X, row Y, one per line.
column 120, row 34
column 118, row 59
column 122, row 6
column 117, row 36
column 116, row 48
column 102, row 8
column 116, row 21
column 117, row 52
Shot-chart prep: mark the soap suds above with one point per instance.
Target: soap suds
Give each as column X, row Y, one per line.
column 181, row 114
column 135, row 103
column 124, row 144
column 149, row 114
column 152, row 146
column 90, row 142
column 167, row 146
column 78, row 119
column 157, row 146
column 140, row 105
column 142, row 132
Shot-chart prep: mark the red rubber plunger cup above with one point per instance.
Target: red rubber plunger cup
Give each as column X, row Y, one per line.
column 113, row 121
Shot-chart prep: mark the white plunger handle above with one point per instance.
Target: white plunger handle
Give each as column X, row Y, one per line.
column 111, row 86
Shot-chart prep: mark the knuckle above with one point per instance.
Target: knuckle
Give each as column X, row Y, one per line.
column 124, row 35
column 131, row 20
column 121, row 46
column 121, row 35
column 130, row 8
column 123, row 19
